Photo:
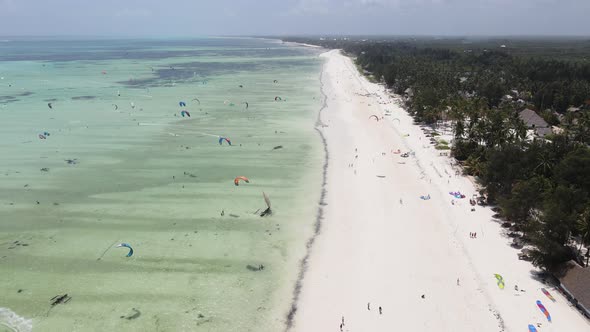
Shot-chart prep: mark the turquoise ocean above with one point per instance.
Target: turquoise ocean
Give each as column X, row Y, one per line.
column 95, row 151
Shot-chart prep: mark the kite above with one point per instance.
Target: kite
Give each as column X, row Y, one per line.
column 544, row 310
column 376, row 117
column 268, row 211
column 126, row 245
column 548, row 295
column 221, row 139
column 277, row 98
column 243, row 178
column 500, row 281
column 185, row 113
column 182, row 104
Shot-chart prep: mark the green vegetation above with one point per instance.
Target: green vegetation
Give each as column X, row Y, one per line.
column 541, row 185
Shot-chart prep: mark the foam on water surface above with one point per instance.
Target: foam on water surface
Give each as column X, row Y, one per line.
column 14, row 322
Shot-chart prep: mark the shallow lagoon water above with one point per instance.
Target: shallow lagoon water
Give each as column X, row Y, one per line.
column 141, row 173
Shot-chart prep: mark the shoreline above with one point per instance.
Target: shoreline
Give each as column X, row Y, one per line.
column 303, row 263
column 373, row 251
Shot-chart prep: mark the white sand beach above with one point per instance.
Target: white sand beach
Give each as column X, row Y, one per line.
column 380, row 243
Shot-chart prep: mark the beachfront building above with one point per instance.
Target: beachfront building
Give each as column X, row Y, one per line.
column 536, row 126
column 574, row 281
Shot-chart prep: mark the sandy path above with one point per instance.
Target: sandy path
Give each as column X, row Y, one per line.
column 374, row 249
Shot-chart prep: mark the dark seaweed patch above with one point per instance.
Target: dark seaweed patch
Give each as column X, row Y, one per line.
column 186, row 71
column 83, row 97
column 13, row 98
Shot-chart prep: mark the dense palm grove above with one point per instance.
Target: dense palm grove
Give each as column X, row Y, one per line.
column 541, row 185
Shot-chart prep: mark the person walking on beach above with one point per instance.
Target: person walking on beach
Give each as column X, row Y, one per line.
column 369, row 306
column 380, row 310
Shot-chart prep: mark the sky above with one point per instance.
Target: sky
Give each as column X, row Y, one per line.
column 159, row 18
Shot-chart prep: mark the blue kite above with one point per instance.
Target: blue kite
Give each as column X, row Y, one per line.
column 126, row 245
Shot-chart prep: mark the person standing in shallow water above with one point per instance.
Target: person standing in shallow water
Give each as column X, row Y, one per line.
column 380, row 310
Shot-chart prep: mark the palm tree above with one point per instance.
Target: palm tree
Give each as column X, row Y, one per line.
column 545, row 163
